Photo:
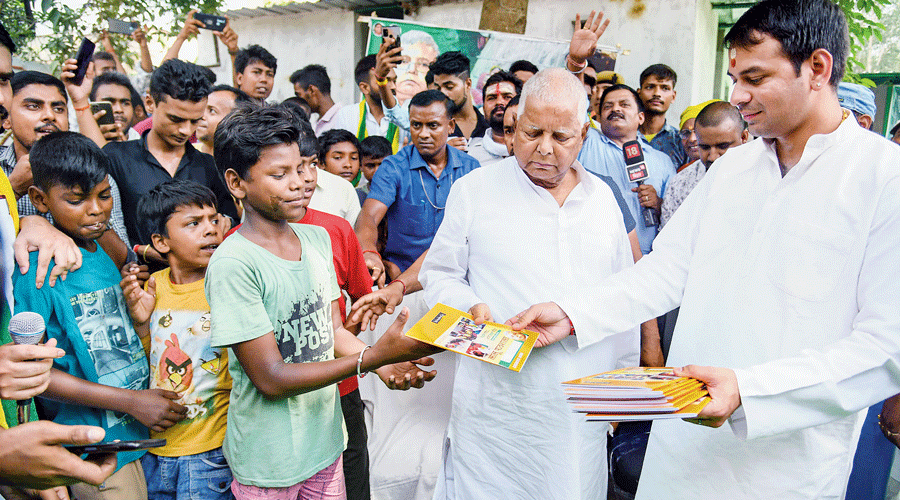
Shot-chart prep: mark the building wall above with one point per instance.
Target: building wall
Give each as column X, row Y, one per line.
column 680, row 33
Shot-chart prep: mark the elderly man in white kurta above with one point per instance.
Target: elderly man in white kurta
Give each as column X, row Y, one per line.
column 784, row 260
column 529, row 228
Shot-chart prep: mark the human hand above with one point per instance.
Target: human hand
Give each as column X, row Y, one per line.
column 395, row 347
column 112, row 131
column 376, row 267
column 459, row 143
column 140, row 35
column 481, row 313
column 722, row 385
column 157, row 409
column 31, row 455
column 368, row 308
column 21, row 177
column 386, row 60
column 105, row 41
column 58, row 493
column 191, row 26
column 547, row 319
column 142, row 272
column 228, row 37
column 647, row 196
column 35, row 233
column 584, row 40
column 25, row 369
column 80, row 94
column 402, row 376
column 889, row 419
column 140, row 302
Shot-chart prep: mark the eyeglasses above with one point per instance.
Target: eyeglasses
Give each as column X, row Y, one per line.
column 686, row 133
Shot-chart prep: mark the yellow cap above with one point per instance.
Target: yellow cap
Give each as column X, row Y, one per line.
column 693, row 111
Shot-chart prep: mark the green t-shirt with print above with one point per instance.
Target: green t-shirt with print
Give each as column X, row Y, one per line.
column 277, row 442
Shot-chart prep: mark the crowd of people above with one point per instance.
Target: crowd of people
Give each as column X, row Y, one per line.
column 206, row 262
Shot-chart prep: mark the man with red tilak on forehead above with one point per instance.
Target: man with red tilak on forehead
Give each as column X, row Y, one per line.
column 499, row 89
column 784, row 262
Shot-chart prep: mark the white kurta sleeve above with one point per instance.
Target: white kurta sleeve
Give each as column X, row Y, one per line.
column 652, row 287
column 445, row 269
column 819, row 386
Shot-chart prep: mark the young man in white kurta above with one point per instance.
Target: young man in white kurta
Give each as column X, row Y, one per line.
column 506, row 242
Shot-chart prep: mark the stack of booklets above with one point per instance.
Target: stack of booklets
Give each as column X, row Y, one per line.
column 636, row 394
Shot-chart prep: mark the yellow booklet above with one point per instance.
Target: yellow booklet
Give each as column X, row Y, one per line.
column 454, row 330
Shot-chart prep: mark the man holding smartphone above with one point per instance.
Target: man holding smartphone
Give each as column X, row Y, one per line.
column 115, row 89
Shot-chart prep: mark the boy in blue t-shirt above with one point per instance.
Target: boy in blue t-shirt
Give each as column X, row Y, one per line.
column 102, row 379
column 273, row 294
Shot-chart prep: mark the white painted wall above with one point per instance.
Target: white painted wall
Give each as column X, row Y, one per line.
column 325, row 37
column 680, row 33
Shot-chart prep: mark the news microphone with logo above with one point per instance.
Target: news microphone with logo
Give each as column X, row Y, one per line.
column 636, row 170
column 26, row 328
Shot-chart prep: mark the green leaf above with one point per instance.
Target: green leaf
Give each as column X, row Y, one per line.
column 46, row 4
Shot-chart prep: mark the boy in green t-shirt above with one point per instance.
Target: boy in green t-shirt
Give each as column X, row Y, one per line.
column 180, row 219
column 273, row 296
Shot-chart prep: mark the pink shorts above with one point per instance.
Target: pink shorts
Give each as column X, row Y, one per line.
column 327, row 484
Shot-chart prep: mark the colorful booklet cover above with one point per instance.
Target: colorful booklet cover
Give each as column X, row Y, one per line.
column 454, row 330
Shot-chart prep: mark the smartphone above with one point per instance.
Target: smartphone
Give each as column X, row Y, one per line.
column 108, row 118
column 115, row 446
column 123, row 27
column 211, row 22
column 85, row 53
column 392, row 33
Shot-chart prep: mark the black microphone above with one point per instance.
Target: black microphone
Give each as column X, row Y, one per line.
column 26, row 328
column 637, row 172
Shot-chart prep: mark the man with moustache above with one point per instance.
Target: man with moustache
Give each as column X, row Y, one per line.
column 621, row 113
column 499, row 89
column 370, row 116
column 550, row 230
column 116, row 89
column 452, row 76
column 38, row 107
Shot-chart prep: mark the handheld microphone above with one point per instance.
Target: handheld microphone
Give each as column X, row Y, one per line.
column 26, row 328
column 637, row 172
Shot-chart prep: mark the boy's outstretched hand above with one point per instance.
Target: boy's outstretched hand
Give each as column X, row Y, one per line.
column 401, row 356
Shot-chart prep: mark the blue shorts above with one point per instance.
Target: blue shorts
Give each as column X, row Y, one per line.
column 204, row 476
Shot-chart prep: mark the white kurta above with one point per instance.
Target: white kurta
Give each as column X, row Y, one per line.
column 793, row 282
column 508, row 243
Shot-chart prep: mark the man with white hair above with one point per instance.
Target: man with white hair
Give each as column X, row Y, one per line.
column 551, row 229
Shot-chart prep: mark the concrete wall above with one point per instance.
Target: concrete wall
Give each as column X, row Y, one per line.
column 680, row 33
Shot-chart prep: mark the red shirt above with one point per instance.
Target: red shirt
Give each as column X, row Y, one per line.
column 349, row 266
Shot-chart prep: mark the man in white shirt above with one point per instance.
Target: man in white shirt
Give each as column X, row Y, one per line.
column 784, row 262
column 335, row 196
column 312, row 84
column 500, row 88
column 368, row 117
column 550, row 231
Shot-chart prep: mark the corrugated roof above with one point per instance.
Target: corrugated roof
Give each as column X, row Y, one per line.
column 301, row 7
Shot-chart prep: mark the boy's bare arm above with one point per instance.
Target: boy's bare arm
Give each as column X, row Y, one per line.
column 373, row 211
column 266, row 368
column 155, row 408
